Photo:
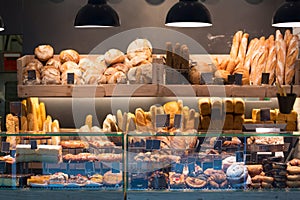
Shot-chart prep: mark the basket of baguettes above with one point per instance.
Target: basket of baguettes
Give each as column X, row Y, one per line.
column 275, row 55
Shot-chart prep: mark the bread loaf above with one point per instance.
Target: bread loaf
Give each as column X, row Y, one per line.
column 291, row 56
column 243, row 47
column 239, row 106
column 271, row 61
column 44, row 52
column 69, row 55
column 204, row 106
column 281, row 57
column 238, row 122
column 228, row 105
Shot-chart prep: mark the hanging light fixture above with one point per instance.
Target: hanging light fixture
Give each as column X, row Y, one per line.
column 188, row 13
column 1, row 24
column 288, row 14
column 96, row 14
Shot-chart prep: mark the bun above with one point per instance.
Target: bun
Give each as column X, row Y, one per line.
column 44, row 52
column 114, row 56
column 121, row 67
column 69, row 55
column 118, row 77
column 53, row 62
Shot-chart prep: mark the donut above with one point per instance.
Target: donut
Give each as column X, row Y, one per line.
column 69, row 55
column 293, row 170
column 266, row 185
column 293, row 184
column 44, row 52
column 293, row 177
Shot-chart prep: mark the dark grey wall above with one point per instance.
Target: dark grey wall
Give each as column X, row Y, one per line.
column 51, row 21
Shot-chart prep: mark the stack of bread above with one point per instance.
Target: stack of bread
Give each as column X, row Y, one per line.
column 221, row 114
column 275, row 118
column 139, row 58
column 274, row 55
column 258, row 177
column 293, row 175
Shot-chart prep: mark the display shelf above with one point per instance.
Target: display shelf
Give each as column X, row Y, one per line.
column 135, row 90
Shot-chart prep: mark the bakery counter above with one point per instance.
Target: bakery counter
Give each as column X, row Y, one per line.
column 70, row 194
column 150, row 90
column 206, row 195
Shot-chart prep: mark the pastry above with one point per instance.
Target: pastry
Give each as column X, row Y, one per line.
column 44, row 52
column 196, row 182
column 158, row 180
column 216, row 178
column 97, row 178
column 237, row 173
column 58, row 178
column 33, row 65
column 293, row 177
column 110, row 178
column 254, row 170
column 176, row 180
column 295, row 162
column 114, row 56
column 293, row 170
column 69, row 55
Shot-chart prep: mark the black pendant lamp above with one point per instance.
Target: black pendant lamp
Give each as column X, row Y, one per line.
column 97, row 13
column 1, row 24
column 188, row 13
column 288, row 14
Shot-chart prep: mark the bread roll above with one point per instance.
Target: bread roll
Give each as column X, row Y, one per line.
column 118, row 77
column 272, row 60
column 113, row 56
column 139, row 45
column 32, row 65
column 243, row 47
column 292, row 117
column 235, row 44
column 69, row 55
column 291, row 126
column 281, row 57
column 44, row 52
column 254, row 170
column 54, row 62
column 69, row 65
column 291, row 56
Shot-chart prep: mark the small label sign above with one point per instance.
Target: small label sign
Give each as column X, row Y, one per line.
column 218, row 164
column 265, row 114
column 152, row 144
column 206, row 78
column 2, row 167
column 5, row 147
column 238, row 79
column 177, row 121
column 207, row 165
column 239, row 156
column 33, row 144
column 12, row 153
column 265, row 78
column 115, row 168
column 162, row 121
column 230, row 79
column 31, row 75
column 70, row 78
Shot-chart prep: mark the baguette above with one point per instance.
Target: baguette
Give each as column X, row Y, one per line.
column 249, row 56
column 291, row 56
column 258, row 62
column 232, row 65
column 281, row 57
column 236, row 44
column 287, row 37
column 243, row 47
column 271, row 62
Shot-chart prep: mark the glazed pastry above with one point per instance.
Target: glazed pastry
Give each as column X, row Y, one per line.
column 69, row 55
column 176, row 180
column 58, row 178
column 97, row 178
column 44, row 52
column 237, row 173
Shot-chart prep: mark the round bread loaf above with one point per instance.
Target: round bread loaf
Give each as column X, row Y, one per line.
column 44, row 52
column 69, row 55
column 50, row 75
column 114, row 56
column 34, row 64
column 69, row 65
column 139, row 45
column 54, row 62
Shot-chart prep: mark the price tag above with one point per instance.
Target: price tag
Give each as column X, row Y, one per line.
column 115, row 168
column 265, row 78
column 162, row 121
column 33, row 144
column 177, row 121
column 231, row 79
column 218, row 164
column 31, row 75
column 12, row 153
column 239, row 156
column 191, row 167
column 179, row 168
column 265, row 114
column 238, row 79
column 70, row 78
column 218, row 145
column 152, row 144
column 206, row 78
column 89, row 167
column 207, row 165
column 15, row 108
column 5, row 147
column 2, row 167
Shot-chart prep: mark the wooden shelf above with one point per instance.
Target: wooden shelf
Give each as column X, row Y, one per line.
column 149, row 90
